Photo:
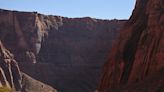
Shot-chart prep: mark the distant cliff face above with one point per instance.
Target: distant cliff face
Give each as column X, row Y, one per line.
column 70, row 49
column 79, row 41
column 56, row 39
column 139, row 51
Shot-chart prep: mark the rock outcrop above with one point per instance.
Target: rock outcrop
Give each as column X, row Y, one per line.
column 139, row 52
column 10, row 76
column 31, row 85
column 70, row 49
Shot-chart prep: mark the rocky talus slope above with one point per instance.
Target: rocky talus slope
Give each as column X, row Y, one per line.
column 138, row 54
column 66, row 53
column 29, row 84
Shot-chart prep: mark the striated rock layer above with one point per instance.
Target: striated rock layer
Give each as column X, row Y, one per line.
column 9, row 71
column 139, row 52
column 66, row 49
column 13, row 79
column 21, row 34
column 31, row 37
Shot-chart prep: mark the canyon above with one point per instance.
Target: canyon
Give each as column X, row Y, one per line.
column 64, row 53
column 47, row 53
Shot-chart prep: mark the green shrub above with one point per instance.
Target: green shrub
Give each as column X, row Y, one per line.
column 4, row 89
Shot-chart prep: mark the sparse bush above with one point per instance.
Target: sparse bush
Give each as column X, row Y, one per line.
column 4, row 89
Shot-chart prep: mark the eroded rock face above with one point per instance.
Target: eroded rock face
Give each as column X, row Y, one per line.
column 31, row 36
column 22, row 33
column 14, row 33
column 9, row 71
column 154, row 83
column 79, row 41
column 70, row 49
column 139, row 51
column 12, row 78
column 75, row 52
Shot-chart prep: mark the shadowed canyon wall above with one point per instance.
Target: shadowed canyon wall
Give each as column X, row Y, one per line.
column 139, row 51
column 66, row 53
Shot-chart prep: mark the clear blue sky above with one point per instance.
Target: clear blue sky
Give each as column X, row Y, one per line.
column 102, row 9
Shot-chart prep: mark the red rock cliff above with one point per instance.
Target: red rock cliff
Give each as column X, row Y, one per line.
column 139, row 52
column 28, row 35
column 67, row 49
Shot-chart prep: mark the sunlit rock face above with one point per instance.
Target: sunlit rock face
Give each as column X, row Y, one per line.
column 13, row 79
column 23, row 32
column 63, row 49
column 10, row 76
column 138, row 53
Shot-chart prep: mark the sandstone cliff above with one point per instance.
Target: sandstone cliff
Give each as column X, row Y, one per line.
column 138, row 53
column 31, row 36
column 65, row 49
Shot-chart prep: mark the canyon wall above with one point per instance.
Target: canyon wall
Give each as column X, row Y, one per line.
column 34, row 37
column 66, row 53
column 139, row 51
